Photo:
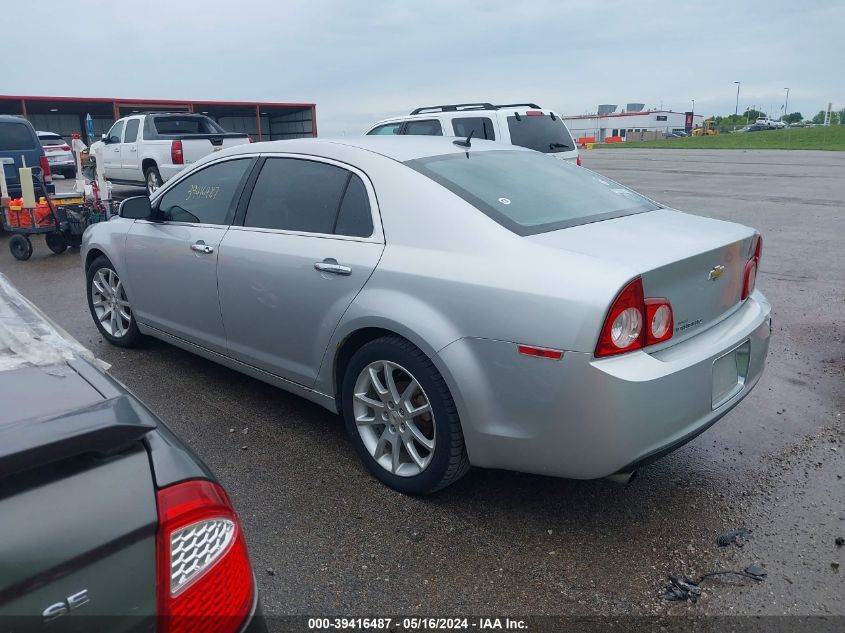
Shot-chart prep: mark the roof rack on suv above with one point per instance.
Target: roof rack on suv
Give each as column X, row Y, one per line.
column 455, row 107
column 517, row 105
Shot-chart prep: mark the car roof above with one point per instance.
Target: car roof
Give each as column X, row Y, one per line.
column 41, row 133
column 399, row 148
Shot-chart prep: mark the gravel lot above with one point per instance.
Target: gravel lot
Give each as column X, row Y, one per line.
column 504, row 543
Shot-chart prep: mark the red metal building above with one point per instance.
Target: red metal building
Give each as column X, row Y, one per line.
column 263, row 121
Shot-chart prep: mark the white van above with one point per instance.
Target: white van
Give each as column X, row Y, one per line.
column 523, row 124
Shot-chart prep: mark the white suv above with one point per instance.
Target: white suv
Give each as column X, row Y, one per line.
column 523, row 124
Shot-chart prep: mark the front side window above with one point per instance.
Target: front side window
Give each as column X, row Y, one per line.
column 480, row 126
column 206, row 196
column 131, row 135
column 540, row 133
column 386, row 129
column 115, row 132
column 301, row 195
column 528, row 192
column 429, row 127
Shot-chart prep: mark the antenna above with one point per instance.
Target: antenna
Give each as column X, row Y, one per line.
column 464, row 142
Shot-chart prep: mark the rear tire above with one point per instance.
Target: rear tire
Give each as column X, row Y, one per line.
column 21, row 247
column 107, row 296
column 56, row 242
column 152, row 178
column 378, row 424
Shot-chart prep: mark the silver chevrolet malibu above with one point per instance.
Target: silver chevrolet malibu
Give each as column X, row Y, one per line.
column 458, row 303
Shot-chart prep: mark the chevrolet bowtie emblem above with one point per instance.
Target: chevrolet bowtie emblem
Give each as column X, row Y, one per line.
column 716, row 272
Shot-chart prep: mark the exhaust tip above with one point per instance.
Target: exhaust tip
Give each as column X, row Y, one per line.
column 623, row 478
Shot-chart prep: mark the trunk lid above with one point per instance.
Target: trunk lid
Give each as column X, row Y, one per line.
column 696, row 263
column 78, row 514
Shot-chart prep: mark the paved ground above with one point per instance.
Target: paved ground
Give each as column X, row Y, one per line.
column 507, row 543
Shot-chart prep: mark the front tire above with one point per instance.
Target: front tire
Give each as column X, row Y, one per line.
column 109, row 304
column 152, row 177
column 401, row 417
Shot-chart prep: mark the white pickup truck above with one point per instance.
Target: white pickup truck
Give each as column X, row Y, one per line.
column 150, row 148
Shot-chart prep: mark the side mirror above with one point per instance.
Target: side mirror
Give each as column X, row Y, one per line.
column 104, row 138
column 137, row 208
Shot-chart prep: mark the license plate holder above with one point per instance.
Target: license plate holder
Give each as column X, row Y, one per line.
column 729, row 373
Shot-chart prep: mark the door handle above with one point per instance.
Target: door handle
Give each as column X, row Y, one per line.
column 202, row 247
column 330, row 265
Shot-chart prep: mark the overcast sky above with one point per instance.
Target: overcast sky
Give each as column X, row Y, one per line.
column 363, row 60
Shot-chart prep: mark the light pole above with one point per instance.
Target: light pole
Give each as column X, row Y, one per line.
column 785, row 103
column 736, row 109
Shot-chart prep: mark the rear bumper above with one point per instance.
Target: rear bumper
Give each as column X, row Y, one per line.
column 583, row 417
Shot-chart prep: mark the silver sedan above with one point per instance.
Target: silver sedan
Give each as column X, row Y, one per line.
column 458, row 304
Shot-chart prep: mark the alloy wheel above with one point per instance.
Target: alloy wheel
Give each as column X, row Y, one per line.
column 394, row 418
column 111, row 307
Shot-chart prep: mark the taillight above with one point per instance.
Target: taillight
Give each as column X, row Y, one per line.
column 578, row 160
column 65, row 148
column 749, row 275
column 204, row 577
column 534, row 113
column 659, row 319
column 176, row 155
column 45, row 168
column 634, row 321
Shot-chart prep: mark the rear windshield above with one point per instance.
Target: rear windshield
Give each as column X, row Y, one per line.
column 186, row 125
column 540, row 133
column 15, row 136
column 530, row 193
column 50, row 141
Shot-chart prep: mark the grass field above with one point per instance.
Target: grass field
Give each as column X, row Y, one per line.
column 826, row 138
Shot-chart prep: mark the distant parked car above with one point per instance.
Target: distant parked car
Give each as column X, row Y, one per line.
column 522, row 124
column 150, row 148
column 59, row 154
column 20, row 147
column 103, row 510
column 458, row 303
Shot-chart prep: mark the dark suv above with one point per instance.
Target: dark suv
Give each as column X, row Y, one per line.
column 108, row 522
column 19, row 144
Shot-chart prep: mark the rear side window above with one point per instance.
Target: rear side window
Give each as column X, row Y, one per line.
column 355, row 217
column 206, row 196
column 308, row 196
column 131, row 134
column 15, row 136
column 480, row 126
column 386, row 129
column 429, row 127
column 540, row 133
column 51, row 141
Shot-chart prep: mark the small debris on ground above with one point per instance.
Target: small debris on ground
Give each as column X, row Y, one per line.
column 834, row 564
column 840, row 541
column 738, row 537
column 689, row 589
column 271, row 571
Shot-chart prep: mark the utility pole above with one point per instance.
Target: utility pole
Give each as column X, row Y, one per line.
column 785, row 103
column 736, row 109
